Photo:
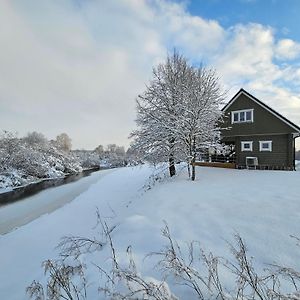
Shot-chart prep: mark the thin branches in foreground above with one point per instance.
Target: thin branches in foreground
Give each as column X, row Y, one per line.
column 201, row 274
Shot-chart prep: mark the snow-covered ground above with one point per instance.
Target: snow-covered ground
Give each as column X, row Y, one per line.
column 263, row 206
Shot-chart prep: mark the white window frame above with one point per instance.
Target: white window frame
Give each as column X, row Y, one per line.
column 239, row 116
column 247, row 149
column 269, row 149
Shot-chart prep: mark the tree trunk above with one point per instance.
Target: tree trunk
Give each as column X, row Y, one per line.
column 189, row 168
column 194, row 160
column 172, row 168
column 193, row 169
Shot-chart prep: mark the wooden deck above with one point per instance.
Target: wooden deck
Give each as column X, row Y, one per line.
column 215, row 164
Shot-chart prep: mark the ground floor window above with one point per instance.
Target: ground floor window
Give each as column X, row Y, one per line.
column 246, row 145
column 265, row 145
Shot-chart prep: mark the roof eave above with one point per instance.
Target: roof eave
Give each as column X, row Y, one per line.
column 271, row 110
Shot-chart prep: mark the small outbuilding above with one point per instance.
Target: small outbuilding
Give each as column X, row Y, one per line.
column 256, row 136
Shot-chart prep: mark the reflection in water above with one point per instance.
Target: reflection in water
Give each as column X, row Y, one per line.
column 34, row 188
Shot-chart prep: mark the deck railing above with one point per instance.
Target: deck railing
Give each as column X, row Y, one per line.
column 218, row 158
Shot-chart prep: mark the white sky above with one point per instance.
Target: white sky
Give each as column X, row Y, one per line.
column 77, row 66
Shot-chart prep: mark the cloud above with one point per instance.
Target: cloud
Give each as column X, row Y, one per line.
column 77, row 66
column 247, row 54
column 67, row 69
column 287, row 49
column 249, row 60
column 197, row 37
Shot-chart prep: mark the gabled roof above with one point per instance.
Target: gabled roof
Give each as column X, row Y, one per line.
column 263, row 105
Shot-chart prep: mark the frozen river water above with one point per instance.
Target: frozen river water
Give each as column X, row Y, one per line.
column 21, row 212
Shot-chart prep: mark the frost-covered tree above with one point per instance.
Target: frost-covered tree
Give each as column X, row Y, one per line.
column 88, row 159
column 178, row 112
column 99, row 150
column 115, row 155
column 120, row 151
column 35, row 138
column 64, row 142
column 200, row 114
column 132, row 157
column 9, row 145
column 111, row 148
column 158, row 111
column 27, row 159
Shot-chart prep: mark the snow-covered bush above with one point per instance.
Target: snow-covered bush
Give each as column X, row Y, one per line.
column 32, row 157
column 12, row 178
column 30, row 161
column 88, row 159
column 27, row 159
column 111, row 156
column 9, row 144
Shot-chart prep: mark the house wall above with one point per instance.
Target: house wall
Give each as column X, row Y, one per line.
column 265, row 127
column 264, row 121
column 280, row 156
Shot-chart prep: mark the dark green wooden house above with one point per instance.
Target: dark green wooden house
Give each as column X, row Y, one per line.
column 256, row 135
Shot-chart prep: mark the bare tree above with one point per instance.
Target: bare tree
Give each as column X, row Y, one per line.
column 99, row 150
column 64, row 142
column 158, row 112
column 35, row 138
column 198, row 123
column 177, row 114
column 120, row 151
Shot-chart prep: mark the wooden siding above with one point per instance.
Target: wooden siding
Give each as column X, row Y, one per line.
column 280, row 156
column 264, row 121
column 266, row 126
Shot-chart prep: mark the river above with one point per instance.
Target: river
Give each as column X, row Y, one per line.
column 24, row 205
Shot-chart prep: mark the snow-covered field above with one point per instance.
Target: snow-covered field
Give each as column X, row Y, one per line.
column 263, row 206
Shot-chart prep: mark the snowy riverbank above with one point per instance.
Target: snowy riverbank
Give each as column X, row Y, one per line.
column 263, row 206
column 9, row 186
column 33, row 158
column 14, row 215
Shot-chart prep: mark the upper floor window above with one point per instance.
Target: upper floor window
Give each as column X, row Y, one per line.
column 242, row 116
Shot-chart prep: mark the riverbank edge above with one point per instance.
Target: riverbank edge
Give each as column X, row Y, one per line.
column 4, row 191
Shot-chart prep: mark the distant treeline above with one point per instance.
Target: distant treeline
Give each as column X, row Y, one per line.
column 27, row 159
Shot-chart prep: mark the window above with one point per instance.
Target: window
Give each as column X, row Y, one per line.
column 242, row 116
column 265, row 146
column 235, row 117
column 246, row 146
column 249, row 115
